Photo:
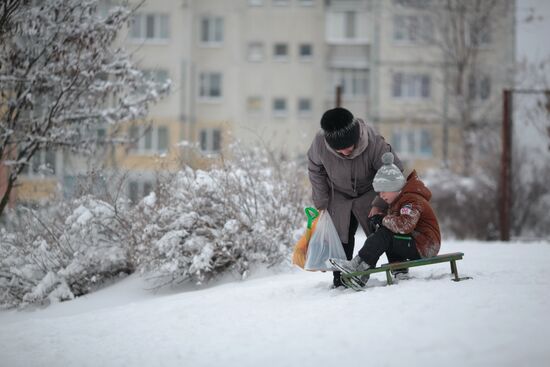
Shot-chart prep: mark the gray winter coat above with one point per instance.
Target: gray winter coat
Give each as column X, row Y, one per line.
column 344, row 184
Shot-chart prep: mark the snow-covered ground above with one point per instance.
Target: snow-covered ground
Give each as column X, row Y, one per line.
column 499, row 318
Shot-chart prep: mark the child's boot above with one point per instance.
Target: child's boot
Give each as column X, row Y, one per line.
column 349, row 266
column 400, row 274
column 352, row 266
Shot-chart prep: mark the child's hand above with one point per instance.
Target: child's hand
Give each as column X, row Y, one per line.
column 375, row 222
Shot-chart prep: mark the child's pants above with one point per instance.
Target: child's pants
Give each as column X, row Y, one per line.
column 397, row 247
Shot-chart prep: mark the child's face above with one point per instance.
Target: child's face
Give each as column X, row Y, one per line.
column 389, row 196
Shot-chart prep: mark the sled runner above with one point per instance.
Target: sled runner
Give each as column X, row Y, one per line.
column 452, row 258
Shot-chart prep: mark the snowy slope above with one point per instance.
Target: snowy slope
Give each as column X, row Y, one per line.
column 500, row 318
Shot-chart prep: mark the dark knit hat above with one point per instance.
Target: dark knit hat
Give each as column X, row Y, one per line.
column 341, row 129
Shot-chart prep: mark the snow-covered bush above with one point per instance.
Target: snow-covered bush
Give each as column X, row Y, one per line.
column 61, row 253
column 469, row 207
column 199, row 224
column 466, row 207
column 195, row 226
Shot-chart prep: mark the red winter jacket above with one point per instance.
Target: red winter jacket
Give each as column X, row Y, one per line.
column 412, row 214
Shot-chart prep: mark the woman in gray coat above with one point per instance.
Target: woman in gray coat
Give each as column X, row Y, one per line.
column 342, row 161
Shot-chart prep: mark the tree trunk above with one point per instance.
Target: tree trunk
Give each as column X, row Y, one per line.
column 6, row 195
column 467, row 148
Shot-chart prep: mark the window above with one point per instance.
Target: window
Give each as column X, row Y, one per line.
column 350, row 25
column 210, row 86
column 354, row 82
column 419, row 4
column 304, row 107
column 255, row 51
column 69, row 186
column 425, row 145
column 212, row 30
column 73, row 184
column 210, row 140
column 149, row 140
column 43, row 162
column 280, row 51
column 412, row 28
column 479, row 88
column 480, row 33
column 40, row 107
column 413, row 86
column 150, row 27
column 134, row 135
column 417, row 142
column 101, row 134
column 346, row 27
column 280, row 2
column 306, row 51
column 279, row 107
column 138, row 189
column 255, row 2
column 162, row 139
column 157, row 76
column 133, row 192
column 306, row 2
column 254, row 104
column 94, row 132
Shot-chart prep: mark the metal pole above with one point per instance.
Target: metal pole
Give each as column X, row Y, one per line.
column 445, row 120
column 506, row 166
column 338, row 96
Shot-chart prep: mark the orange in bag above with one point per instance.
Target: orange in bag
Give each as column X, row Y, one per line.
column 300, row 248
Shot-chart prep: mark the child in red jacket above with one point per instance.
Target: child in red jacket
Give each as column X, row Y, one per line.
column 409, row 231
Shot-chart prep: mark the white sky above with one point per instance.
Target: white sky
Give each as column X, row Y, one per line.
column 533, row 45
column 533, row 36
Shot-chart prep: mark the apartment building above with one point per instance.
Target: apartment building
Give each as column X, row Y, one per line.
column 262, row 72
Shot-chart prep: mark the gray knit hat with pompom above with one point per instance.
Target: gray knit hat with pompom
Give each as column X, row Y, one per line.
column 389, row 177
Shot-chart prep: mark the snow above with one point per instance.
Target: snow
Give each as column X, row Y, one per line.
column 231, row 226
column 150, row 199
column 292, row 318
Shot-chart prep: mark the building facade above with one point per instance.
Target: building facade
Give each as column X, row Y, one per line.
column 260, row 73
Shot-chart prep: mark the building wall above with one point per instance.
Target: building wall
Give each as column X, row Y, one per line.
column 352, row 41
column 252, row 83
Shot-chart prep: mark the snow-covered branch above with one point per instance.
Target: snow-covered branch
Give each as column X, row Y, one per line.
column 61, row 72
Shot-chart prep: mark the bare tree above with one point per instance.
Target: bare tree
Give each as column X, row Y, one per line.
column 535, row 111
column 7, row 8
column 62, row 76
column 530, row 191
column 460, row 30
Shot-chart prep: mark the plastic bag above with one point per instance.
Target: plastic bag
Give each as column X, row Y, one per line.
column 324, row 244
column 300, row 249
